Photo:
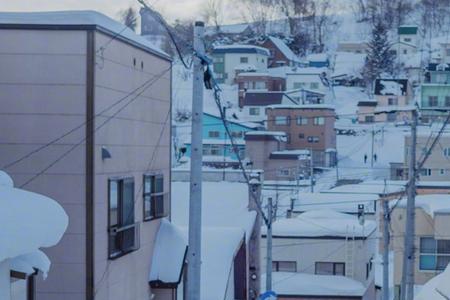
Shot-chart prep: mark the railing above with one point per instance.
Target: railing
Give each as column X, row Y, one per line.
column 123, row 240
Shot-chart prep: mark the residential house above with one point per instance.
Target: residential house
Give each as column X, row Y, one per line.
column 393, row 98
column 408, row 40
column 228, row 243
column 310, row 78
column 436, row 167
column 266, row 150
column 431, row 240
column 307, row 127
column 72, row 84
column 435, row 93
column 252, row 81
column 324, row 243
column 280, row 53
column 230, row 60
column 21, row 258
column 218, row 150
column 255, row 103
column 318, row 60
column 356, row 47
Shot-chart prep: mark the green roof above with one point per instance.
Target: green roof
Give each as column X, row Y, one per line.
column 407, row 30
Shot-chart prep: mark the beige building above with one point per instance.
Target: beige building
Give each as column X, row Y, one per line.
column 86, row 121
column 432, row 238
column 325, row 243
column 357, row 47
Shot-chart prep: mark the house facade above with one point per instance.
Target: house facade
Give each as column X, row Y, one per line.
column 280, row 53
column 307, row 127
column 252, row 81
column 307, row 78
column 109, row 138
column 255, row 103
column 228, row 61
column 408, row 40
column 435, row 93
column 325, row 243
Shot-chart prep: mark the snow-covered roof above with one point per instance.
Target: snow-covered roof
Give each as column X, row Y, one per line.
column 392, row 108
column 317, row 57
column 262, row 132
column 431, row 204
column 80, row 18
column 281, row 45
column 168, row 254
column 396, row 87
column 293, row 152
column 302, row 284
column 437, row 288
column 238, row 48
column 322, row 223
column 46, row 222
column 221, row 142
column 306, row 71
column 301, row 106
column 367, row 188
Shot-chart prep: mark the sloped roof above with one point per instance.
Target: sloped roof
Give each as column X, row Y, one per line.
column 281, row 45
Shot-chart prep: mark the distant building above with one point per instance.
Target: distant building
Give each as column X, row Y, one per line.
column 253, row 81
column 280, row 53
column 309, row 127
column 231, row 60
column 255, row 102
column 408, row 40
column 318, row 60
column 356, row 47
column 307, row 78
column 435, row 93
column 218, row 150
column 431, row 239
column 328, row 245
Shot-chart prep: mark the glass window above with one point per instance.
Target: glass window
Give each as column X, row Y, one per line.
column 330, row 268
column 448, row 52
column 447, row 101
column 446, row 152
column 298, row 85
column 281, row 120
column 302, row 121
column 392, row 101
column 284, row 266
column 213, row 134
column 237, row 134
column 313, row 139
column 253, row 111
column 434, row 254
column 314, row 85
column 433, row 101
column 319, row 121
column 153, row 196
column 244, row 60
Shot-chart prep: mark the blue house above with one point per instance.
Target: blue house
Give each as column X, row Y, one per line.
column 217, row 148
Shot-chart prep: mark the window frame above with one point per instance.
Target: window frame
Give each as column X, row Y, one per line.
column 277, row 121
column 276, row 265
column 153, row 196
column 334, row 264
column 214, row 134
column 302, row 121
column 319, row 121
column 434, row 253
column 243, row 59
column 251, row 111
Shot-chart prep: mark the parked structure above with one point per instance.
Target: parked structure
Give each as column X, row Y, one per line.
column 325, row 243
column 218, row 150
column 435, row 93
column 67, row 75
column 263, row 82
column 431, row 238
column 307, row 127
column 280, row 53
column 231, row 60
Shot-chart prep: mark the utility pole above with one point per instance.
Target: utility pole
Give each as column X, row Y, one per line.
column 407, row 287
column 225, row 146
column 269, row 246
column 337, row 168
column 311, row 165
column 195, row 199
column 386, row 241
column 373, row 138
column 255, row 238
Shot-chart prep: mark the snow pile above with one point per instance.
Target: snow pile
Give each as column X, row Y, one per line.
column 46, row 222
column 349, row 64
column 26, row 263
column 391, row 88
column 437, row 288
column 322, row 223
column 78, row 18
column 168, row 254
column 301, row 284
column 431, row 204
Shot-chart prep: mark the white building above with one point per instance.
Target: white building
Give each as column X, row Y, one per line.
column 306, row 78
column 233, row 59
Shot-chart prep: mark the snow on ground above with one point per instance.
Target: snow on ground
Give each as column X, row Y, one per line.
column 301, row 284
column 438, row 288
column 349, row 64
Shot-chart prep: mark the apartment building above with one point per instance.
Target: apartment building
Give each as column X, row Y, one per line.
column 86, row 106
column 435, row 93
column 253, row 81
column 309, row 127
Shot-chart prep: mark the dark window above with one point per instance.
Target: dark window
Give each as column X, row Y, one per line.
column 123, row 231
column 330, row 268
column 154, row 196
column 434, row 254
column 284, row 266
column 301, row 136
column 302, row 121
column 282, row 120
column 447, row 101
column 213, row 134
column 369, row 119
column 432, row 101
column 244, row 60
column 313, row 139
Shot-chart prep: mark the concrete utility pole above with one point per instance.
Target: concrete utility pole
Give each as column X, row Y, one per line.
column 407, row 287
column 373, row 139
column 255, row 239
column 386, row 241
column 311, row 165
column 269, row 246
column 195, row 199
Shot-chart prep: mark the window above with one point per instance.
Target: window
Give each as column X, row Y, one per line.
column 392, row 101
column 330, row 268
column 282, row 120
column 313, row 139
column 432, row 101
column 218, row 59
column 284, row 266
column 447, row 101
column 391, row 116
column 302, row 121
column 447, row 152
column 369, row 119
column 260, row 85
column 405, row 51
column 243, row 60
column 442, row 171
column 153, row 196
column 298, row 85
column 425, row 172
column 213, row 134
column 288, row 138
column 434, row 254
column 447, row 52
column 407, row 40
column 213, row 150
column 283, row 172
column 123, row 231
column 301, row 136
column 319, row 121
column 253, row 111
column 237, row 134
column 314, row 85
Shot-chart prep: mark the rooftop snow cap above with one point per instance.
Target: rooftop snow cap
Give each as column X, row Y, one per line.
column 241, row 49
column 391, row 87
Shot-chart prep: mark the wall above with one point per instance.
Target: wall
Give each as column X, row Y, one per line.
column 232, row 60
column 441, row 91
column 364, row 112
column 307, row 80
column 139, row 142
column 43, row 96
column 384, row 100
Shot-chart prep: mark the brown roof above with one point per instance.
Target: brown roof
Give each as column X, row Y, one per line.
column 263, row 98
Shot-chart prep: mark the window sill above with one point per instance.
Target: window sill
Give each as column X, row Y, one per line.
column 153, row 219
column 119, row 255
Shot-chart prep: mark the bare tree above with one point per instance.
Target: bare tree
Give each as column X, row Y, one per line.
column 213, row 13
column 321, row 19
column 435, row 15
column 129, row 18
column 258, row 12
column 295, row 11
